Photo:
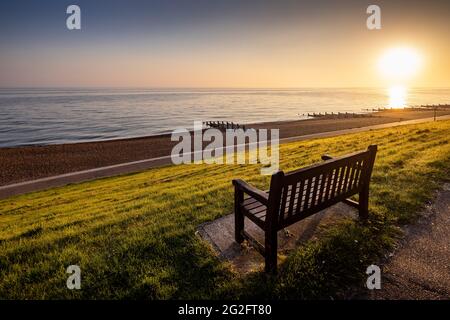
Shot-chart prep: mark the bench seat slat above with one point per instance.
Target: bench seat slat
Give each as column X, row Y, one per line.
column 254, row 210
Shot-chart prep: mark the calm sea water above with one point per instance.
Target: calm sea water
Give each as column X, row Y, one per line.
column 50, row 116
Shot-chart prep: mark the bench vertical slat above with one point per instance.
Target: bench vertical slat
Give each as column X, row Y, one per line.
column 292, row 200
column 357, row 183
column 283, row 203
column 307, row 193
column 340, row 180
column 336, row 182
column 330, row 184
column 300, row 196
column 311, row 182
column 348, row 174
column 330, row 180
column 351, row 179
column 364, row 169
column 322, row 187
column 289, row 198
column 356, row 178
column 358, row 174
column 352, row 175
column 314, row 195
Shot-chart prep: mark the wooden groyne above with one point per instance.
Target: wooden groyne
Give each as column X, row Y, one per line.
column 337, row 115
column 223, row 125
column 366, row 113
column 371, row 112
column 425, row 107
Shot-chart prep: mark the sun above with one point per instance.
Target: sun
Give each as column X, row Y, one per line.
column 400, row 63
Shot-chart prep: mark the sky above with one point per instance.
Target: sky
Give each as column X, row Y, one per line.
column 220, row 43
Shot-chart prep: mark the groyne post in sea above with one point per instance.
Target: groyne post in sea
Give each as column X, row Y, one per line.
column 223, row 125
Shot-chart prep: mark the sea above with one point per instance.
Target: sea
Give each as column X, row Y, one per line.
column 42, row 116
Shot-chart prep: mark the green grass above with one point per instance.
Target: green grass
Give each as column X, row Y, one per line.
column 133, row 235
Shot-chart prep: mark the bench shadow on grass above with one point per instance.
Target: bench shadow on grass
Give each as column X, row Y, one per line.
column 301, row 260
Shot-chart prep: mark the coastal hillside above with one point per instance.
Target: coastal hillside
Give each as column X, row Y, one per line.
column 134, row 235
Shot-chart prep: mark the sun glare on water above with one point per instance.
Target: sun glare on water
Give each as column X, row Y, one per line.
column 397, row 97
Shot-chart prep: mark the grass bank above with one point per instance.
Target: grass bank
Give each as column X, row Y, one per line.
column 133, row 235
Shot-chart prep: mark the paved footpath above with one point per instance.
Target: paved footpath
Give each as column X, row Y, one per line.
column 420, row 269
column 135, row 166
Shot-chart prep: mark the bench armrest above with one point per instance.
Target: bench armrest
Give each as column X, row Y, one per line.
column 326, row 157
column 259, row 195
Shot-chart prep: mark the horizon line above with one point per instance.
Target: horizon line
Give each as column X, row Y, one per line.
column 214, row 88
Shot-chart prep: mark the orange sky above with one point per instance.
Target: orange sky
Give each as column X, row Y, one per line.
column 330, row 47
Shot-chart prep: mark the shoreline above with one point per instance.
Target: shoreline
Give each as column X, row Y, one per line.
column 368, row 112
column 25, row 163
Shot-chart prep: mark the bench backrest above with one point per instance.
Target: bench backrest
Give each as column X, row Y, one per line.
column 298, row 194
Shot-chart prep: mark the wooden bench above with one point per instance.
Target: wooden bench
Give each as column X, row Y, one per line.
column 298, row 194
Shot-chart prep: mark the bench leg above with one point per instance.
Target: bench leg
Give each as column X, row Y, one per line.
column 271, row 245
column 364, row 204
column 238, row 216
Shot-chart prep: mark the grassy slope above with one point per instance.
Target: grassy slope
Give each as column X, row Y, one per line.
column 133, row 236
